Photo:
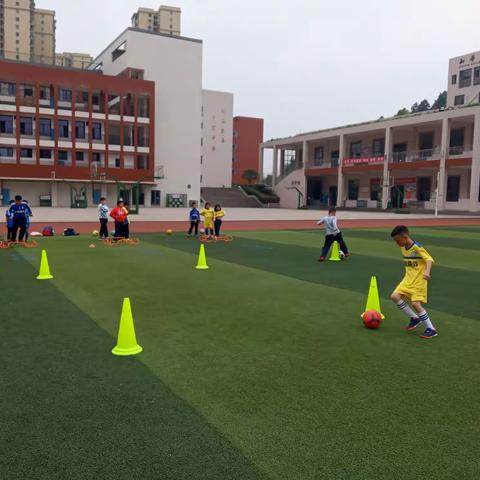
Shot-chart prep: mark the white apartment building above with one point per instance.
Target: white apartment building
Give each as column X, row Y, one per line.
column 217, row 137
column 464, row 80
column 420, row 161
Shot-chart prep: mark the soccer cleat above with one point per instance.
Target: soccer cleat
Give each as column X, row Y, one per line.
column 321, row 259
column 429, row 333
column 414, row 323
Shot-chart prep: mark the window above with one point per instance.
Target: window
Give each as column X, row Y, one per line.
column 80, row 130
column 334, row 157
column 26, row 126
column 96, row 131
column 453, row 188
column 26, row 153
column 113, row 104
column 318, row 156
column 425, row 141
column 465, row 78
column 142, row 162
column 6, row 152
column 46, row 128
column 79, row 156
column 63, row 130
column 457, row 137
column 45, row 154
column 459, row 100
column 424, row 189
column 155, row 197
column 6, row 124
column 143, row 103
column 119, row 51
column 65, row 95
column 355, row 149
column 375, row 190
column 353, row 187
column 378, row 147
column 476, row 76
column 117, row 163
column 114, row 133
column 143, row 136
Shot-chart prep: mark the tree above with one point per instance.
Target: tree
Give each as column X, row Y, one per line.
column 402, row 111
column 440, row 102
column 423, row 106
column 250, row 175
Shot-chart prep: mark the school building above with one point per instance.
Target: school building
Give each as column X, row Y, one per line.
column 419, row 161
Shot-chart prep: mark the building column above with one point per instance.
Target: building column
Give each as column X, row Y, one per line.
column 282, row 162
column 386, row 170
column 275, row 166
column 305, row 153
column 442, row 176
column 261, row 153
column 340, row 179
column 147, row 193
column 54, row 194
column 103, row 189
column 475, row 177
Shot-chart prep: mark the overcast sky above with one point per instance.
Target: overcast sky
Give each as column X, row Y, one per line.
column 304, row 64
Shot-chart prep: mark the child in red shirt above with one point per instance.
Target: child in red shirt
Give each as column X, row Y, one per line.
column 119, row 214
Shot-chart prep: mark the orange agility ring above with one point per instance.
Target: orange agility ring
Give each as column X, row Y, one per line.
column 222, row 238
column 30, row 244
column 121, row 241
column 4, row 244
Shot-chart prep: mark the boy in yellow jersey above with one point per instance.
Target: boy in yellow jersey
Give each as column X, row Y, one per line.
column 413, row 287
column 207, row 213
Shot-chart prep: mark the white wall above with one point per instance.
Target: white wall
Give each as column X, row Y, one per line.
column 288, row 195
column 175, row 65
column 217, row 138
column 455, row 65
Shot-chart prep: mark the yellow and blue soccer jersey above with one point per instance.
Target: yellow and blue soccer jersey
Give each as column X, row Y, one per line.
column 414, row 286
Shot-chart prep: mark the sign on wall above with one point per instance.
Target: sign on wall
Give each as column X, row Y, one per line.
column 363, row 160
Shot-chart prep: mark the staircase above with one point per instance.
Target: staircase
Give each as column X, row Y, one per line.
column 229, row 197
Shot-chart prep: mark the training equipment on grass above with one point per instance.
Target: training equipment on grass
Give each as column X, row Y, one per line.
column 335, row 254
column 127, row 340
column 169, row 231
column 373, row 299
column 44, row 273
column 210, row 239
column 202, row 259
column 95, row 233
column 8, row 244
column 91, row 245
column 121, row 241
column 372, row 319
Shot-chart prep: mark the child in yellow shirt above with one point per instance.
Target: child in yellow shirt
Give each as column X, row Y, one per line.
column 218, row 214
column 208, row 215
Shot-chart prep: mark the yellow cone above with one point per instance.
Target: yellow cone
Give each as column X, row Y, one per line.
column 44, row 273
column 335, row 255
column 373, row 299
column 127, row 341
column 202, row 259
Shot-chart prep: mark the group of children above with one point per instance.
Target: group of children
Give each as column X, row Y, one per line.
column 212, row 220
column 18, row 219
column 119, row 215
column 410, row 294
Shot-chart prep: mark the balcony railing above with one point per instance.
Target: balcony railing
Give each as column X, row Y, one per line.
column 416, row 155
column 460, row 150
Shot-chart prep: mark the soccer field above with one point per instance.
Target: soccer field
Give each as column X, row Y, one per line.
column 258, row 368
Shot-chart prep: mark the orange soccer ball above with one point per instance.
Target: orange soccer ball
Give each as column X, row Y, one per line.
column 372, row 319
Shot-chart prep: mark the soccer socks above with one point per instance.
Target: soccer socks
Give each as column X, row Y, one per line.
column 404, row 307
column 423, row 316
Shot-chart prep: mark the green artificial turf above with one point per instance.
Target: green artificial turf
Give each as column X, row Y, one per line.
column 258, row 368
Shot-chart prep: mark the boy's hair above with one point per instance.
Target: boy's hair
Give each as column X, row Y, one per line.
column 119, row 202
column 18, row 198
column 11, row 201
column 332, row 210
column 400, row 230
column 102, row 199
column 217, row 207
column 207, row 204
column 194, row 204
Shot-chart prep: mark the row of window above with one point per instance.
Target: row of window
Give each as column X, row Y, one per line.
column 460, row 100
column 102, row 102
column 131, row 136
column 64, row 157
column 424, row 189
column 467, row 77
